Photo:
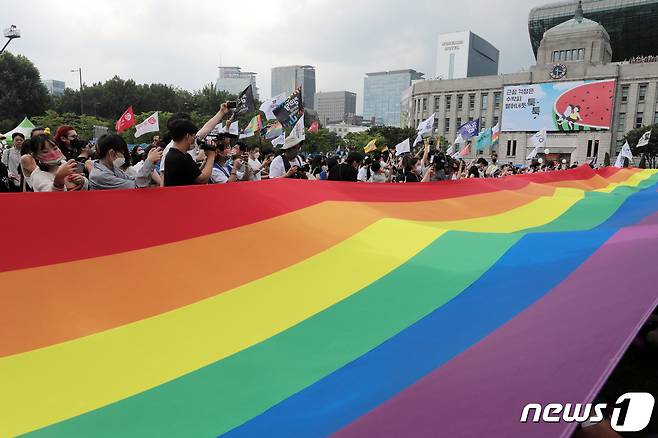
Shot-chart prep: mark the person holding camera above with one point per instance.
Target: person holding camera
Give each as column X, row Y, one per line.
column 289, row 164
column 222, row 171
column 107, row 174
column 182, row 170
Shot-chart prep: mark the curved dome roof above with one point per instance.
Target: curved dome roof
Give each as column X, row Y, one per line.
column 573, row 26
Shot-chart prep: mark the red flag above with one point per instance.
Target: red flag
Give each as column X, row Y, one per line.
column 315, row 126
column 126, row 121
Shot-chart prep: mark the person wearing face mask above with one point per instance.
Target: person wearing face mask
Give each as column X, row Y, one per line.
column 254, row 164
column 107, row 173
column 182, row 170
column 46, row 170
column 67, row 139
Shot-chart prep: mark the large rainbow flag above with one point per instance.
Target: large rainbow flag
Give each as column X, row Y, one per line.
column 295, row 309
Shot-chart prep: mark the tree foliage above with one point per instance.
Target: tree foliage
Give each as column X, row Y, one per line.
column 651, row 150
column 22, row 94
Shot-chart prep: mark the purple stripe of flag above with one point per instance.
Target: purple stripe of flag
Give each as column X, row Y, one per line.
column 562, row 349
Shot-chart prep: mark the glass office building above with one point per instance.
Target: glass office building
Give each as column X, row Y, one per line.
column 631, row 24
column 286, row 79
column 382, row 95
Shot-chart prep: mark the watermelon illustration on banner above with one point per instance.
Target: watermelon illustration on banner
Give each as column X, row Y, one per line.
column 151, row 124
column 126, row 121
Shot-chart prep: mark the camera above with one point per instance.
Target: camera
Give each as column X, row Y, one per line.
column 205, row 145
column 232, row 104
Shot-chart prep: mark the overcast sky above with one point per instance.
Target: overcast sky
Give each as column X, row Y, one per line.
column 182, row 42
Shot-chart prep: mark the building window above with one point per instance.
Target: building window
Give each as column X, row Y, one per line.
column 448, row 102
column 483, row 123
column 596, row 148
column 424, row 104
column 624, row 94
column 621, row 125
column 643, row 93
column 471, row 101
column 589, row 148
column 554, row 57
column 581, row 54
column 496, row 120
column 460, row 101
column 655, row 118
column 638, row 120
column 511, row 148
column 497, row 100
column 459, row 122
column 485, row 102
column 446, row 126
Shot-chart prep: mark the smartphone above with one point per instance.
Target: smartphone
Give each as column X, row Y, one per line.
column 232, row 104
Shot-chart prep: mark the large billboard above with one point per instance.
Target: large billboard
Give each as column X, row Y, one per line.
column 558, row 106
column 452, row 55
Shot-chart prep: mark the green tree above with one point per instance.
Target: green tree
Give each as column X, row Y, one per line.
column 650, row 151
column 322, row 141
column 356, row 141
column 22, row 94
column 391, row 135
column 84, row 125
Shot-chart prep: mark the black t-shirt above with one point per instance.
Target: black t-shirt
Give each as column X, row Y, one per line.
column 474, row 172
column 411, row 177
column 343, row 172
column 180, row 169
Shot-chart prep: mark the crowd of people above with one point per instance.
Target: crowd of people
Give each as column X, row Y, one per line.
column 188, row 155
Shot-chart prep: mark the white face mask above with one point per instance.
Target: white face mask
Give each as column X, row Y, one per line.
column 118, row 162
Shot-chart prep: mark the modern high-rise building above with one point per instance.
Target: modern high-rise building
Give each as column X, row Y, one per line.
column 335, row 106
column 233, row 80
column 465, row 55
column 382, row 92
column 56, row 88
column 287, row 79
column 630, row 24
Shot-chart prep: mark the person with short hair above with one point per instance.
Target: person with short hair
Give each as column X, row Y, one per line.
column 68, row 142
column 254, row 163
column 347, row 171
column 11, row 158
column 181, row 169
column 113, row 153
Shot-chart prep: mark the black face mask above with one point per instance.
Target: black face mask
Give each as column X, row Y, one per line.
column 75, row 144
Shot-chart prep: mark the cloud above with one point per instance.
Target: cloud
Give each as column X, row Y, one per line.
column 182, row 43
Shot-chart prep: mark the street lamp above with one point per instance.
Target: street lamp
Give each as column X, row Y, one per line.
column 82, row 106
column 11, row 34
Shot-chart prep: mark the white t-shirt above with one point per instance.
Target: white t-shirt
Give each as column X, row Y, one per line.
column 220, row 174
column 278, row 169
column 362, row 176
column 256, row 167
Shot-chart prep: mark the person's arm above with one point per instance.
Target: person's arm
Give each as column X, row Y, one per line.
column 143, row 178
column 428, row 175
column 28, row 164
column 155, row 177
column 210, row 125
column 207, row 168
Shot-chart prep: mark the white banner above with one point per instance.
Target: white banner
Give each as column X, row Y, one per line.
column 625, row 153
column 268, row 107
column 403, row 148
column 644, row 140
column 298, row 130
column 427, row 125
column 280, row 140
column 151, row 124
